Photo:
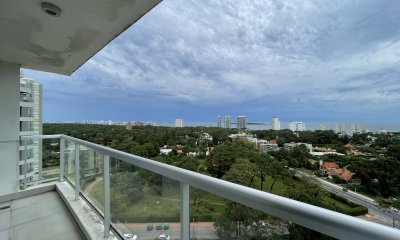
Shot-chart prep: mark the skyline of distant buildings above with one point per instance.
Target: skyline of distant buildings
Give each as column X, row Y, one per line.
column 356, row 128
column 340, row 128
column 226, row 122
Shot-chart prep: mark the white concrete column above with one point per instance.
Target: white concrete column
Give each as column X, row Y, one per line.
column 9, row 127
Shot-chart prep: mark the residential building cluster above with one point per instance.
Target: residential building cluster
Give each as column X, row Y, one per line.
column 224, row 122
column 166, row 150
column 129, row 125
column 327, row 168
column 272, row 145
column 242, row 123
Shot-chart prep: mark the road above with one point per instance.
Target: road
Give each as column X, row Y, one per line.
column 386, row 216
column 201, row 230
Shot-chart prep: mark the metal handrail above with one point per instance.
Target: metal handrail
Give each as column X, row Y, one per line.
column 319, row 219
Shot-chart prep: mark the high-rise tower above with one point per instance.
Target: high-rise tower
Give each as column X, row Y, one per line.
column 227, row 122
column 30, row 123
column 179, row 122
column 241, row 123
column 297, row 126
column 219, row 121
column 276, row 124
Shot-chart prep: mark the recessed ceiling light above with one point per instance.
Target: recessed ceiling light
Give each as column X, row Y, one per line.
column 51, row 9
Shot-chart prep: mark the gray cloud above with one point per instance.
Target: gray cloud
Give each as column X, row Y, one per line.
column 315, row 53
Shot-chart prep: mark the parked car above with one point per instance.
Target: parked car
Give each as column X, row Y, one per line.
column 164, row 237
column 130, row 236
column 149, row 227
column 159, row 226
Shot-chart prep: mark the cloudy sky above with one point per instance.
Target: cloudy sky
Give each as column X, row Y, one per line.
column 312, row 61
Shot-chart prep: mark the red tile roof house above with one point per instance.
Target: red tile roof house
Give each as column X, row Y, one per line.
column 331, row 168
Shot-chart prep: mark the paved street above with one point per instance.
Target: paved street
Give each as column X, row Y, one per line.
column 51, row 172
column 385, row 216
column 201, row 230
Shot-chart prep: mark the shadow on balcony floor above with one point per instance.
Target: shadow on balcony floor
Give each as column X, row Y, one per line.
column 43, row 216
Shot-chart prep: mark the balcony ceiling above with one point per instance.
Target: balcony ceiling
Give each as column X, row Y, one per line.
column 61, row 44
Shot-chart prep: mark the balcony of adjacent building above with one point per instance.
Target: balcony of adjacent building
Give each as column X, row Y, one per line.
column 26, row 114
column 25, row 87
column 26, row 128
column 26, row 100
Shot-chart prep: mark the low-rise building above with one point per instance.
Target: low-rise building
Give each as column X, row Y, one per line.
column 165, row 151
column 268, row 147
column 192, row 154
column 322, row 149
column 205, row 136
column 139, row 124
column 246, row 136
column 293, row 144
column 128, row 126
column 333, row 169
column 319, row 154
column 208, row 151
column 382, row 131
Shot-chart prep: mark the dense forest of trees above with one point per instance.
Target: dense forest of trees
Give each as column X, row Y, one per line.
column 241, row 162
column 378, row 175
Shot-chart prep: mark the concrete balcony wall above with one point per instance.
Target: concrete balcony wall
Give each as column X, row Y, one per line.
column 9, row 127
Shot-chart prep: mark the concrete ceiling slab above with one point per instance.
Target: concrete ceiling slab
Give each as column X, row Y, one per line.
column 61, row 44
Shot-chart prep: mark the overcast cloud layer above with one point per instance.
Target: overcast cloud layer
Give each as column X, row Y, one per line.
column 301, row 60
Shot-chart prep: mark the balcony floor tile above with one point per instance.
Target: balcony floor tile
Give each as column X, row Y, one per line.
column 42, row 216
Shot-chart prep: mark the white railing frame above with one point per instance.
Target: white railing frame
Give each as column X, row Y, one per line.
column 328, row 222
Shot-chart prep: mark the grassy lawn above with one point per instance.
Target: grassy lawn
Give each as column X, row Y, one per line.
column 279, row 186
column 153, row 207
column 51, row 168
column 280, row 189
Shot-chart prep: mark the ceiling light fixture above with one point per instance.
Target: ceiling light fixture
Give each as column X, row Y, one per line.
column 51, row 9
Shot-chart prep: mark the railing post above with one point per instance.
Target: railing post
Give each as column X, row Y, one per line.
column 62, row 158
column 25, row 157
column 185, row 211
column 77, row 173
column 107, row 212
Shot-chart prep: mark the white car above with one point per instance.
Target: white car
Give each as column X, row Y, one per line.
column 164, row 237
column 130, row 236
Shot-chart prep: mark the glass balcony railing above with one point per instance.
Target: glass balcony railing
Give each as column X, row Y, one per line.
column 149, row 199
